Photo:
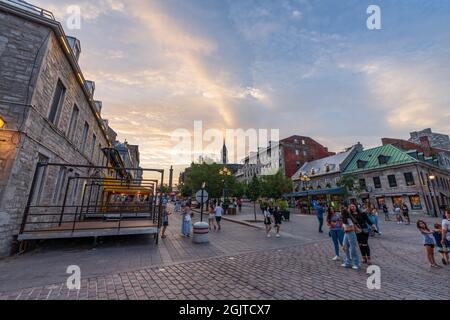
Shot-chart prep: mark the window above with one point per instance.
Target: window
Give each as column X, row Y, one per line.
column 409, row 178
column 416, row 204
column 39, row 179
column 392, row 181
column 58, row 99
column 60, row 184
column 362, row 184
column 303, row 142
column 84, row 136
column 94, row 142
column 377, row 182
column 382, row 160
column 75, row 183
column 297, row 152
column 73, row 122
column 361, row 164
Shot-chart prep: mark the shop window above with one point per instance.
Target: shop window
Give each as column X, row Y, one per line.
column 416, row 204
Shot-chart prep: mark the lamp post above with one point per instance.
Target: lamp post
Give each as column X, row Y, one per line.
column 225, row 173
column 305, row 179
column 432, row 193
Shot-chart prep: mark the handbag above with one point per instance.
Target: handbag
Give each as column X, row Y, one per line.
column 356, row 225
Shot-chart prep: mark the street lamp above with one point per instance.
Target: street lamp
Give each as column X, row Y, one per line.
column 305, row 179
column 432, row 192
column 225, row 172
column 2, row 123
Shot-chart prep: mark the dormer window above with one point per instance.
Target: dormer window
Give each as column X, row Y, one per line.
column 361, row 164
column 313, row 172
column 383, row 159
column 327, row 168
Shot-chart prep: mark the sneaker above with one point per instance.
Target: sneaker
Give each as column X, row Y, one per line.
column 337, row 258
column 269, row 236
column 435, row 266
column 278, row 236
column 444, row 262
column 346, row 266
column 356, row 268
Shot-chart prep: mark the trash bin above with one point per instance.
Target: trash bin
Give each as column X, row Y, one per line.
column 287, row 215
column 201, row 233
column 232, row 211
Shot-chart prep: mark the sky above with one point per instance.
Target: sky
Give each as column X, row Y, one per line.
column 305, row 67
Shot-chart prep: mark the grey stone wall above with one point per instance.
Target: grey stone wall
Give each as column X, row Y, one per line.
column 31, row 62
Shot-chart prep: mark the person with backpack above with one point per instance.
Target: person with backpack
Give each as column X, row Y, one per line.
column 405, row 212
column 362, row 221
column 386, row 213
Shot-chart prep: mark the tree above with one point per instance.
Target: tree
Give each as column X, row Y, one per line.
column 185, row 191
column 253, row 193
column 275, row 186
column 348, row 182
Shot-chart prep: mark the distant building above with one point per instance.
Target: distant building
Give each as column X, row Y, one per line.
column 436, row 140
column 288, row 155
column 131, row 158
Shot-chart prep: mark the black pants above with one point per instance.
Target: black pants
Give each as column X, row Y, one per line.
column 363, row 242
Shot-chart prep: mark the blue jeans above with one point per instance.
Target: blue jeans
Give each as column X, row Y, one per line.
column 338, row 239
column 320, row 223
column 352, row 250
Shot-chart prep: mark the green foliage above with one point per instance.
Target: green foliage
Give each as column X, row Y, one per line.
column 254, row 189
column 349, row 183
column 275, row 186
column 215, row 183
column 186, row 191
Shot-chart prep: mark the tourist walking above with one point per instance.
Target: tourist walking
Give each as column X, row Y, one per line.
column 405, row 212
column 373, row 216
column 268, row 222
column 278, row 217
column 187, row 221
column 397, row 213
column 239, row 204
column 350, row 246
column 386, row 213
column 362, row 221
column 446, row 230
column 218, row 213
column 212, row 218
column 165, row 221
column 428, row 242
column 443, row 250
column 334, row 222
column 320, row 211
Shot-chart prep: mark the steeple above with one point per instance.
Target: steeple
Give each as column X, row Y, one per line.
column 224, row 153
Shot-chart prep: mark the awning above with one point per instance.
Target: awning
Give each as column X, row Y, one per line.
column 320, row 192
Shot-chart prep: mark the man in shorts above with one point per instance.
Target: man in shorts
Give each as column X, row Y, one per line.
column 165, row 221
column 218, row 212
column 278, row 217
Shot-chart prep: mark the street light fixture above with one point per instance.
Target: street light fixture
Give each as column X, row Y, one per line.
column 432, row 192
column 2, row 123
column 305, row 179
column 225, row 172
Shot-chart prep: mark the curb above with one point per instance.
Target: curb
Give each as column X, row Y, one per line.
column 242, row 223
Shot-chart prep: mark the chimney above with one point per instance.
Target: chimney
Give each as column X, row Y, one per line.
column 75, row 45
column 425, row 143
column 98, row 106
column 90, row 86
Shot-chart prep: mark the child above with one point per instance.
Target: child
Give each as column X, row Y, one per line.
column 438, row 238
column 428, row 242
column 268, row 221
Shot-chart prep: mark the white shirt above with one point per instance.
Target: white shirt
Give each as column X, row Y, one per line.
column 218, row 211
column 446, row 226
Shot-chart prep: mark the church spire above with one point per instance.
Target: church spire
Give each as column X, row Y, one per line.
column 224, row 153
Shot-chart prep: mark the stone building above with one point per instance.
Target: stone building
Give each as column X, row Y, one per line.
column 436, row 140
column 288, row 156
column 389, row 175
column 324, row 173
column 49, row 112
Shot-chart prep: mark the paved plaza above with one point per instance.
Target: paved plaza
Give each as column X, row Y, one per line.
column 239, row 263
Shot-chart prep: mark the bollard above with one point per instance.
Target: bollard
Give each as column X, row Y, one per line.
column 201, row 232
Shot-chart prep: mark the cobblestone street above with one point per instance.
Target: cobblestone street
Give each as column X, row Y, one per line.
column 239, row 263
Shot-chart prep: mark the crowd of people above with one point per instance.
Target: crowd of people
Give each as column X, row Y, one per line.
column 350, row 228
